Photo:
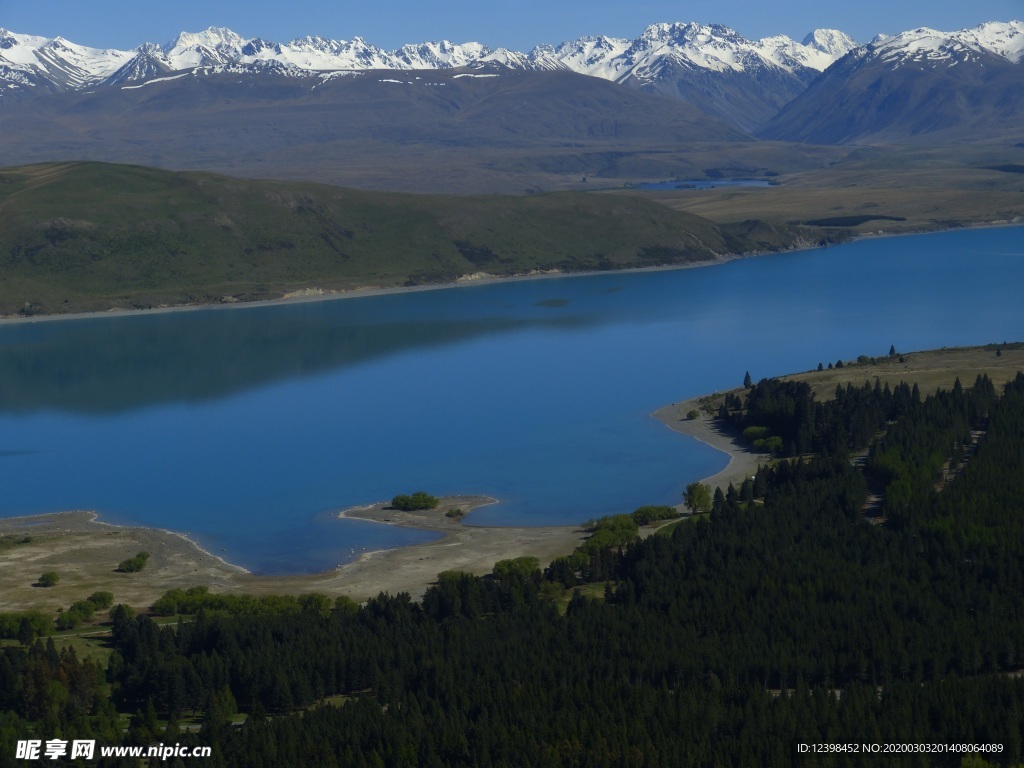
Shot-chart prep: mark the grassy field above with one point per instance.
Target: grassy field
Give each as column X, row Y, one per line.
column 92, row 236
column 910, row 190
column 930, row 370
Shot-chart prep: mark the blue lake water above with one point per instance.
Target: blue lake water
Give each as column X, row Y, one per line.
column 702, row 184
column 247, row 428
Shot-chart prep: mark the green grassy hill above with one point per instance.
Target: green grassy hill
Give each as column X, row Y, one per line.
column 90, row 236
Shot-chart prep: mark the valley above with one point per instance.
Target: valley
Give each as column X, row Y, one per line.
column 909, row 189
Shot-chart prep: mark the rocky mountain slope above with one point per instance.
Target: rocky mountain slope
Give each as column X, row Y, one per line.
column 921, row 85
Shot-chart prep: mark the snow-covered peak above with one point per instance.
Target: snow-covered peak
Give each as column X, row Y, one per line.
column 661, row 48
column 440, row 55
column 926, row 45
column 76, row 66
column 258, row 45
column 509, row 59
column 721, row 49
column 213, row 46
column 19, row 49
column 1005, row 39
column 789, row 54
column 598, row 56
column 830, row 41
column 318, row 54
column 148, row 62
column 9, row 39
column 817, row 51
column 214, row 38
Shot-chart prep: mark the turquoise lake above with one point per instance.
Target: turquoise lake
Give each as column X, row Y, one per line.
column 248, row 428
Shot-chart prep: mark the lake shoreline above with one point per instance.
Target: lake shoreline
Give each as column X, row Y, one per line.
column 315, row 294
column 743, row 462
column 85, row 551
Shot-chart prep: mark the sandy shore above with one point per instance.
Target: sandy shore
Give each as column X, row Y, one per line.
column 743, row 462
column 462, row 547
column 85, row 552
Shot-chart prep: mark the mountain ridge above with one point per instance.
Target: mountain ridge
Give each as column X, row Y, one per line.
column 919, row 85
column 65, row 65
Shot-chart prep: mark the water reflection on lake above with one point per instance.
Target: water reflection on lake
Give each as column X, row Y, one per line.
column 248, row 427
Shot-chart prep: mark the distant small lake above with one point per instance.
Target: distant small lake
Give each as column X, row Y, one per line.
column 702, row 184
column 249, row 428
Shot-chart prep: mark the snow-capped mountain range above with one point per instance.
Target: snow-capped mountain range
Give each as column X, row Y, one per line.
column 826, row 89
column 929, row 46
column 59, row 64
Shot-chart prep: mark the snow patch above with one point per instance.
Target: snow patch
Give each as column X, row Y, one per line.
column 155, row 80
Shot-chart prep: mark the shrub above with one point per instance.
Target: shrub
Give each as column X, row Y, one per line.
column 83, row 608
column 101, row 600
column 609, row 532
column 752, row 434
column 520, row 566
column 772, row 445
column 69, row 620
column 651, row 513
column 419, row 500
column 49, row 579
column 133, row 564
